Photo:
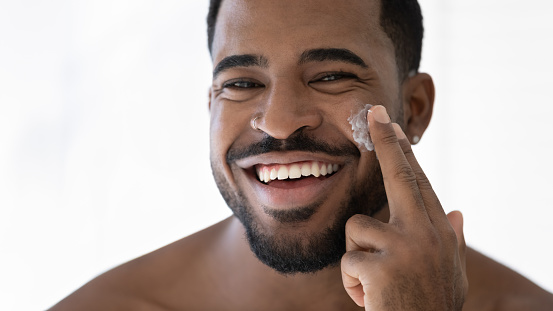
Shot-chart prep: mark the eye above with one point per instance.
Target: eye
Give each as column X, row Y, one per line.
column 240, row 89
column 335, row 82
column 241, row 84
column 335, row 76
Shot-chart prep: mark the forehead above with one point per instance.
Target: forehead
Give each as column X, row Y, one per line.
column 284, row 29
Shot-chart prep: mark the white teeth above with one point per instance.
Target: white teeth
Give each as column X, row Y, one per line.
column 266, row 176
column 259, row 174
column 305, row 169
column 294, row 172
column 273, row 175
column 315, row 169
column 323, row 170
column 282, row 172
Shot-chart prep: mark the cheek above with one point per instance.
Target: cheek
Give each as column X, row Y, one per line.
column 349, row 115
column 216, row 132
column 221, row 136
column 226, row 125
column 220, row 141
column 343, row 112
column 227, row 128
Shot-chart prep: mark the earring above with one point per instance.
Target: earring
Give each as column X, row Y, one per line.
column 252, row 123
column 416, row 139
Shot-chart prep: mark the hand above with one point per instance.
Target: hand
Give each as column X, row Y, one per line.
column 416, row 261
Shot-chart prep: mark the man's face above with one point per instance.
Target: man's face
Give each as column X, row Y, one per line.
column 303, row 68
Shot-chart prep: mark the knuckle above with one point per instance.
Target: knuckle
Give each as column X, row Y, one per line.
column 359, row 222
column 434, row 240
column 355, row 224
column 403, row 172
column 351, row 224
column 355, row 221
column 423, row 182
column 388, row 137
column 407, row 150
column 428, row 239
column 352, row 258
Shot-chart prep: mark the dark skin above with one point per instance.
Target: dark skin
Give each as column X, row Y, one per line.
column 410, row 255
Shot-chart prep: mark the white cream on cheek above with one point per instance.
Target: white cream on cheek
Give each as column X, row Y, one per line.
column 360, row 127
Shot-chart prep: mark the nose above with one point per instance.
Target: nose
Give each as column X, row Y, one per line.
column 287, row 109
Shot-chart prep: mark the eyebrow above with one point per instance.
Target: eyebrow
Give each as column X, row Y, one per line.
column 245, row 60
column 331, row 54
column 313, row 55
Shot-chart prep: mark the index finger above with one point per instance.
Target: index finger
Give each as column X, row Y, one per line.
column 400, row 181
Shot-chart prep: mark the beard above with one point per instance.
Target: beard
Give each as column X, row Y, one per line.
column 301, row 252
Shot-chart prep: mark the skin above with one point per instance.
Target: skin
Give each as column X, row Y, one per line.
column 411, row 255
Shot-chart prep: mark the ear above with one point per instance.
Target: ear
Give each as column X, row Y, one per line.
column 209, row 99
column 418, row 104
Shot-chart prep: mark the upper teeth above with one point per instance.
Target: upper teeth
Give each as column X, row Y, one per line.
column 266, row 173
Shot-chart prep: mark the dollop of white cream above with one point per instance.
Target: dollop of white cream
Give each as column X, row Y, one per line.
column 360, row 127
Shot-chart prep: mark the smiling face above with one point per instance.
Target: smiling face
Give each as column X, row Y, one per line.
column 302, row 69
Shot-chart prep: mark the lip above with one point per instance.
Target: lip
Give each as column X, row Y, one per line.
column 291, row 193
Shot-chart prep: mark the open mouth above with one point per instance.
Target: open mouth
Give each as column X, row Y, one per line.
column 288, row 180
column 266, row 173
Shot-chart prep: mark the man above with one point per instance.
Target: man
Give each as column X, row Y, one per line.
column 321, row 221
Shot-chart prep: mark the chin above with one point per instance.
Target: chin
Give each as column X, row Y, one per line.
column 303, row 238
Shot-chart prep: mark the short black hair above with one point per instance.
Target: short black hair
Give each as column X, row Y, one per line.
column 401, row 20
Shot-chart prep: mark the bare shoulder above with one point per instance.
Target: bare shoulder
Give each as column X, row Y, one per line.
column 493, row 286
column 150, row 281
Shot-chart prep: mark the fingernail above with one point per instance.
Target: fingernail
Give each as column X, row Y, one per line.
column 380, row 114
column 399, row 132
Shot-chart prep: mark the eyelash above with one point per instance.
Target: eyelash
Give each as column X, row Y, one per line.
column 337, row 76
column 234, row 84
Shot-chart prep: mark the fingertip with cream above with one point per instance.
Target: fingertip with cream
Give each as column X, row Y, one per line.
column 379, row 114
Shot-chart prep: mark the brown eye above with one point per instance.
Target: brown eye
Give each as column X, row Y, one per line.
column 242, row 84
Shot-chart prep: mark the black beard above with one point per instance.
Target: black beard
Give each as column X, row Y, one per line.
column 290, row 254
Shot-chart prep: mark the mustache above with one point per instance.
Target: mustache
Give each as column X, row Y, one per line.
column 297, row 142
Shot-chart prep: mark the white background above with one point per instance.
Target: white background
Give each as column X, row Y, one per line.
column 104, row 134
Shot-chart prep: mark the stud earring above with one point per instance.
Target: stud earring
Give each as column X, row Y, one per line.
column 416, row 139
